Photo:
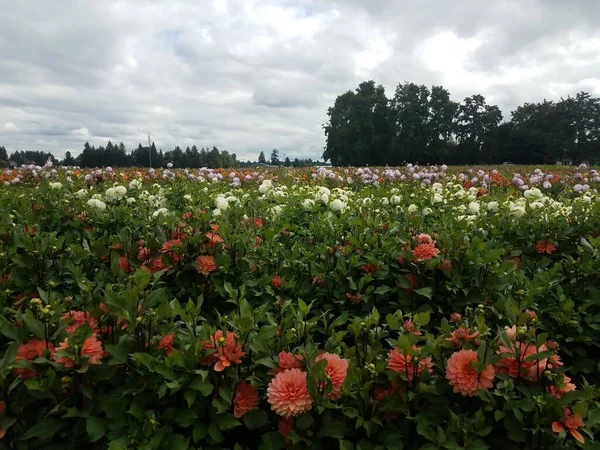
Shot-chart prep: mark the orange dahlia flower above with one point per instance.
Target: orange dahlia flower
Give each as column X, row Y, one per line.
column 287, row 361
column 571, row 422
column 461, row 335
column 205, row 264
column 78, row 318
column 226, row 350
column 30, row 351
column 464, row 377
column 245, row 399
column 91, row 349
column 288, row 394
column 545, row 247
column 401, row 363
column 423, row 252
column 336, row 371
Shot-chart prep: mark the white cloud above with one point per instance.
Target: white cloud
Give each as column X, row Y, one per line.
column 83, row 132
column 251, row 75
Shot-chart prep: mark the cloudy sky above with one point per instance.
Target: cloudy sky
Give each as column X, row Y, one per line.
column 251, row 75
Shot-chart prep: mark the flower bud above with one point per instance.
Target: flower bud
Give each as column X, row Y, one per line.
column 65, row 380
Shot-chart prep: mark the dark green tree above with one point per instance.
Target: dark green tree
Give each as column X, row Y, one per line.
column 358, row 130
column 476, row 130
column 261, row 158
column 68, row 159
column 275, row 157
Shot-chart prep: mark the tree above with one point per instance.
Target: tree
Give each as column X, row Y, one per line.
column 275, row 157
column 476, row 130
column 287, row 162
column 358, row 130
column 440, row 124
column 3, row 157
column 261, row 158
column 68, row 160
column 410, row 120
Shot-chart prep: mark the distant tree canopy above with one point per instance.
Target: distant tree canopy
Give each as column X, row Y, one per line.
column 117, row 156
column 30, row 157
column 3, row 157
column 424, row 125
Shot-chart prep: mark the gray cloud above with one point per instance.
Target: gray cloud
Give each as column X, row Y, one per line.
column 250, row 75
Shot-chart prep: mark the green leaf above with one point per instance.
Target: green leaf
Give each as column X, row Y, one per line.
column 215, row 432
column 255, row 418
column 393, row 322
column 118, row 354
column 425, row 292
column 226, row 421
column 304, row 421
column 423, row 318
column 190, row 398
column 119, row 444
column 332, row 428
column 199, row 432
column 514, row 428
column 95, row 428
column 43, row 429
column 10, row 355
column 33, row 325
column 426, row 431
column 205, row 388
column 267, row 332
column 303, row 307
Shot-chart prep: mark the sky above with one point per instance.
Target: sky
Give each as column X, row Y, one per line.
column 252, row 75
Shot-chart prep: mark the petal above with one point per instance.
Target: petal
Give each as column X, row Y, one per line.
column 557, row 427
column 577, row 435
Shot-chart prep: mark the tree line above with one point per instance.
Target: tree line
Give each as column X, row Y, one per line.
column 116, row 155
column 424, row 125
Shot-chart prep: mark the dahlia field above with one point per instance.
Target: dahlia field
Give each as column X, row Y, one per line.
column 351, row 308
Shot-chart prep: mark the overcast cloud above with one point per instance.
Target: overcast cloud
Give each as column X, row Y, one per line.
column 251, row 75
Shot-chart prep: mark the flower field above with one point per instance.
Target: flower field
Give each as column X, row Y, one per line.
column 372, row 308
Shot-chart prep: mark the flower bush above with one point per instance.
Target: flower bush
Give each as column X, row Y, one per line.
column 408, row 308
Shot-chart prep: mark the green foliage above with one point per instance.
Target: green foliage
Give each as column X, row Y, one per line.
column 114, row 334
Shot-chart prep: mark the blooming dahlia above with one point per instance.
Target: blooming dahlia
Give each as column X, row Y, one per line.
column 166, row 343
column 287, row 361
column 78, row 318
column 423, row 252
column 571, row 422
column 562, row 386
column 461, row 335
column 336, row 371
column 545, row 247
column 464, row 377
column 245, row 399
column 30, row 351
column 514, row 364
column 424, row 238
column 213, row 239
column 401, row 363
column 226, row 350
column 288, row 394
column 91, row 349
column 205, row 264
